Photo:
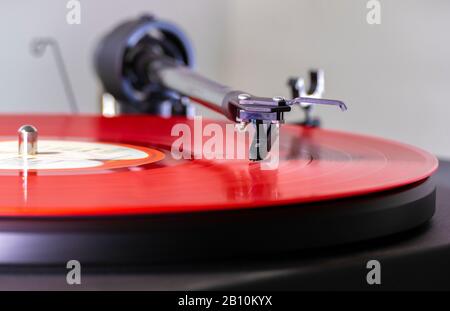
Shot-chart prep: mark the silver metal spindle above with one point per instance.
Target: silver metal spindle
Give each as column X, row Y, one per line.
column 28, row 139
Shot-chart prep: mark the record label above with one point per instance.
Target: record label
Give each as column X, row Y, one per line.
column 72, row 155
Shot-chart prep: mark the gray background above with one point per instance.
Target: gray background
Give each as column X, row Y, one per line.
column 395, row 77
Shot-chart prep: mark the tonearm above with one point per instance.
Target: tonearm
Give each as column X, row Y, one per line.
column 146, row 64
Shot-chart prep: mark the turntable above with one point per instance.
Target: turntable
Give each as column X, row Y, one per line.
column 157, row 188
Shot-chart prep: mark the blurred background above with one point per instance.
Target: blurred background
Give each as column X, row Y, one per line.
column 395, row 76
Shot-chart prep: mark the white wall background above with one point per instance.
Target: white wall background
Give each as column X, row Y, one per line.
column 395, row 77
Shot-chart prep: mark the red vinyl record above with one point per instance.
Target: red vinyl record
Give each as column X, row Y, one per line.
column 95, row 166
